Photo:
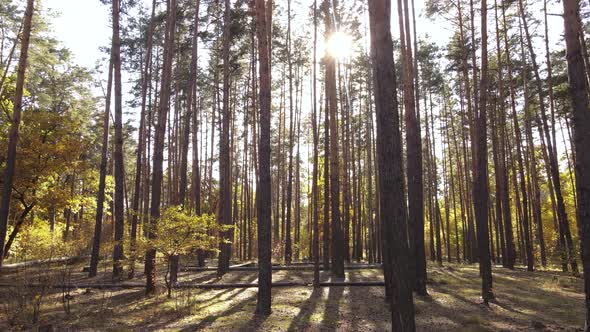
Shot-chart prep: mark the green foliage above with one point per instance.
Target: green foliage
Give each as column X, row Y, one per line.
column 37, row 242
column 180, row 233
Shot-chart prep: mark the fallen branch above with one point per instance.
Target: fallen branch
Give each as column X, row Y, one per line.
column 68, row 260
column 201, row 286
column 299, row 267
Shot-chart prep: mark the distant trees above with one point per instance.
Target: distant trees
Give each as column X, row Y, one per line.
column 310, row 165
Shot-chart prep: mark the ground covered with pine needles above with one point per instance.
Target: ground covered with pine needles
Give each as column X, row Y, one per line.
column 544, row 300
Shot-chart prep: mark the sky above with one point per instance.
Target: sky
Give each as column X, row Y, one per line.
column 83, row 26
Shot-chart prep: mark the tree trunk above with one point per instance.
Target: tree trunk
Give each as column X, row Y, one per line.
column 19, row 222
column 94, row 257
column 581, row 123
column 118, row 153
column 288, row 248
column 14, row 126
column 316, row 229
column 326, row 224
column 263, row 189
column 331, row 96
column 389, row 147
column 553, row 164
column 224, row 215
column 195, row 167
column 158, row 172
column 480, row 185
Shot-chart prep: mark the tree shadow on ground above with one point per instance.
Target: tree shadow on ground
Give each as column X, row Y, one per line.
column 254, row 323
column 233, row 291
column 332, row 309
column 209, row 320
column 302, row 320
column 376, row 314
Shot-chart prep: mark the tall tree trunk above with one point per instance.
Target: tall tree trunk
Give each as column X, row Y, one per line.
column 480, row 185
column 553, row 164
column 326, row 223
column 389, row 147
column 195, row 167
column 331, row 96
column 509, row 253
column 413, row 154
column 160, row 131
column 470, row 244
column 137, row 190
column 14, row 126
column 191, row 111
column 316, row 229
column 511, row 256
column 288, row 247
column 118, row 153
column 346, row 200
column 434, row 182
column 224, row 215
column 263, row 189
column 581, row 123
column 529, row 161
column 95, row 255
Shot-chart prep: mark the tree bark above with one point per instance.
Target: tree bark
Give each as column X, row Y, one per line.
column 331, row 96
column 224, row 215
column 389, row 154
column 581, row 123
column 118, row 153
column 94, row 257
column 160, row 131
column 263, row 189
column 314, row 123
column 288, row 247
column 14, row 126
column 481, row 185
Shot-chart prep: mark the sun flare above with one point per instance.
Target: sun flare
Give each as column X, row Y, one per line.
column 339, row 45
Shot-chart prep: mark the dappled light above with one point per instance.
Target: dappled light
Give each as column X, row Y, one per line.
column 266, row 165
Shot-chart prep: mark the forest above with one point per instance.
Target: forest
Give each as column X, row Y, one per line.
column 298, row 165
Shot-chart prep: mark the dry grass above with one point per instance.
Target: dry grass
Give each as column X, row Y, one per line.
column 526, row 301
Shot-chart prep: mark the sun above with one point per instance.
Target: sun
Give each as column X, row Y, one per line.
column 339, row 45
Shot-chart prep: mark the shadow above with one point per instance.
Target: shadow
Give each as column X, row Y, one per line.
column 368, row 306
column 301, row 321
column 456, row 296
column 196, row 278
column 127, row 296
column 508, row 307
column 464, row 322
column 209, row 320
column 207, row 302
column 332, row 309
column 254, row 323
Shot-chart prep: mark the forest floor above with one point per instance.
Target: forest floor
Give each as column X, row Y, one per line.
column 544, row 300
